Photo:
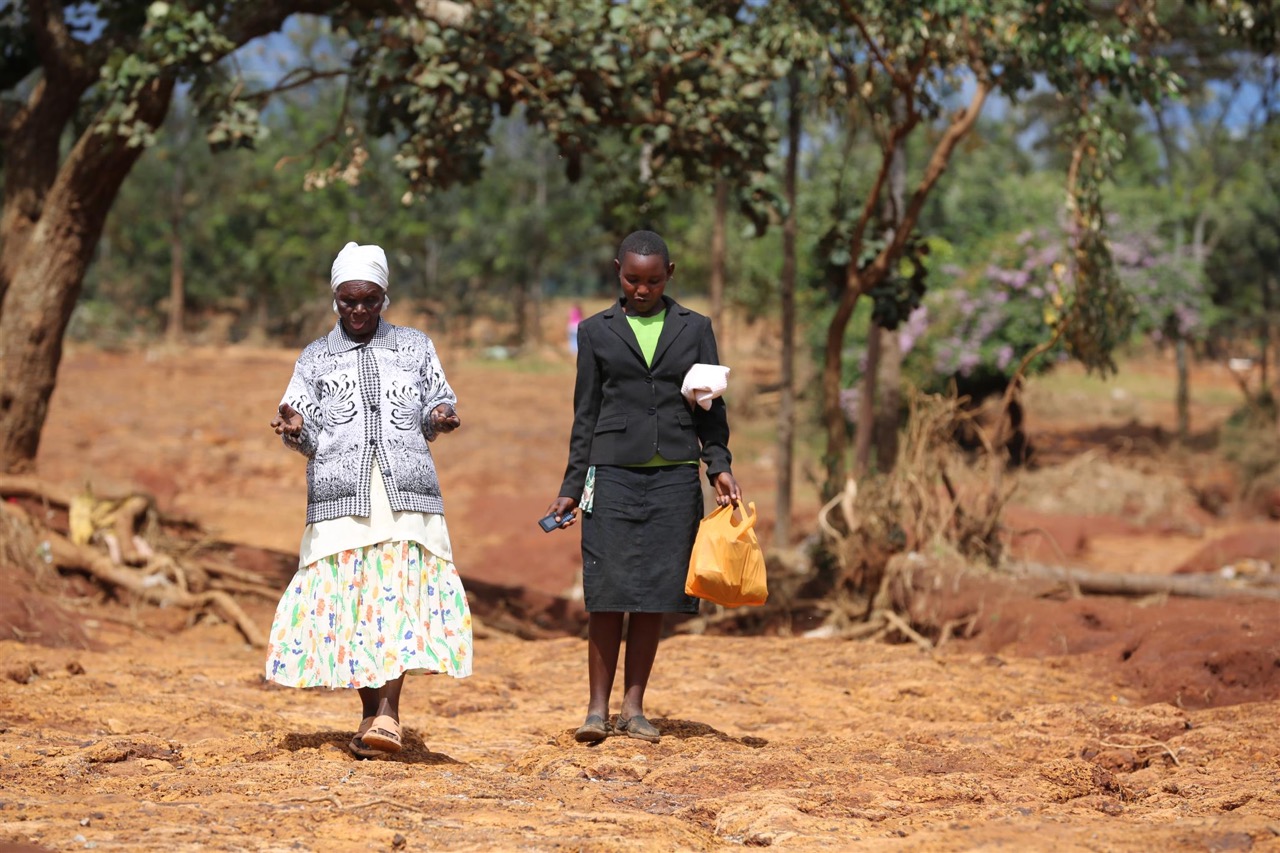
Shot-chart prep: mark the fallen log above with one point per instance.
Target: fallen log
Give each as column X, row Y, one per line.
column 1119, row 583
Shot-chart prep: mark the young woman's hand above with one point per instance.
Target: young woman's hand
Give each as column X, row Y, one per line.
column 727, row 491
column 287, row 421
column 563, row 509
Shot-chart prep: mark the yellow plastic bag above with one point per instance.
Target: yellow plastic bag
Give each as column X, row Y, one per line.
column 727, row 565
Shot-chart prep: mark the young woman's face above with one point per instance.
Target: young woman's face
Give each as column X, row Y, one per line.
column 359, row 307
column 643, row 278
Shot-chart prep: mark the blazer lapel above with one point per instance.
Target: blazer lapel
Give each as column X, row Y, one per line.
column 620, row 327
column 672, row 326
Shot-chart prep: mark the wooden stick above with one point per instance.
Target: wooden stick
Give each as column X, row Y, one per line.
column 1155, row 744
column 911, row 633
column 1118, row 583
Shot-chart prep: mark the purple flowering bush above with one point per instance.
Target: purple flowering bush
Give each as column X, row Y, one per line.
column 1173, row 300
column 978, row 323
column 977, row 327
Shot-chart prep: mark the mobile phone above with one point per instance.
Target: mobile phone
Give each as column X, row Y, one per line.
column 548, row 523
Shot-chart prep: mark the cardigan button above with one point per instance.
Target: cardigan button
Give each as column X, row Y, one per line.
column 652, row 410
column 648, row 379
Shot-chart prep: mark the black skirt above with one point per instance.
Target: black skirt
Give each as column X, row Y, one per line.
column 637, row 540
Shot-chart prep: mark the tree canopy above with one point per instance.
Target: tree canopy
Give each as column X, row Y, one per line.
column 645, row 99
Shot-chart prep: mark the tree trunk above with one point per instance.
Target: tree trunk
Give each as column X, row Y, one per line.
column 885, row 421
column 860, row 280
column 889, row 406
column 177, row 270
column 535, row 298
column 31, row 142
column 46, row 276
column 523, row 287
column 787, row 285
column 866, row 420
column 718, row 225
column 833, row 416
column 1265, row 333
column 1183, row 396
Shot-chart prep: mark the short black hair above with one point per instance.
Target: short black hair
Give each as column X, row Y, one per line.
column 644, row 243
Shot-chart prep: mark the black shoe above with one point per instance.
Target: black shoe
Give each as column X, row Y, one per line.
column 638, row 727
column 594, row 730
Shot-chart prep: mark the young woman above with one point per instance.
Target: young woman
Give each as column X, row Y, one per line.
column 642, row 442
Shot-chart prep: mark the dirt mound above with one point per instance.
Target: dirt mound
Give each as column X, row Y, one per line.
column 1142, row 492
column 30, row 615
column 1254, row 549
column 1190, row 653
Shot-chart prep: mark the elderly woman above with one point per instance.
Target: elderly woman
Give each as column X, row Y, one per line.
column 376, row 595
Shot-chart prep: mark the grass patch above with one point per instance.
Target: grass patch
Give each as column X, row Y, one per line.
column 1143, row 386
column 532, row 365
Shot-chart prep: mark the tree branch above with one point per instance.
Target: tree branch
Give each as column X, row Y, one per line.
column 307, row 75
column 62, row 57
column 329, row 138
column 960, row 126
column 872, row 204
column 898, row 79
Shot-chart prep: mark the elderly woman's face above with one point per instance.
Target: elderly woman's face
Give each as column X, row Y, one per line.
column 359, row 307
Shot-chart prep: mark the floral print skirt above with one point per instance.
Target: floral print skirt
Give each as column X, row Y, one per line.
column 363, row 617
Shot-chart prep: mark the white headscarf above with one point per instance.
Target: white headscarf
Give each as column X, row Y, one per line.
column 360, row 263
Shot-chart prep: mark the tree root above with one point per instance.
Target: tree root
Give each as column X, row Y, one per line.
column 161, row 580
column 1160, row 746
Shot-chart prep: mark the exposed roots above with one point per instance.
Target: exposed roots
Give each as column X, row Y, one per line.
column 933, row 500
column 933, row 493
column 111, row 541
column 852, row 581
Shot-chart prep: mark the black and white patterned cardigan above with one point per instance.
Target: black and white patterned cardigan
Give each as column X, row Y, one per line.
column 360, row 399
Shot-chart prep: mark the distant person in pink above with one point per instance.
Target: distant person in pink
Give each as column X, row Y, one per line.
column 575, row 317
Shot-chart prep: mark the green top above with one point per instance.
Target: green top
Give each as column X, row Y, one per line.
column 647, row 331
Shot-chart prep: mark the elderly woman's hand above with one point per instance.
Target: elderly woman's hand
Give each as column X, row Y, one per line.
column 287, row 421
column 444, row 418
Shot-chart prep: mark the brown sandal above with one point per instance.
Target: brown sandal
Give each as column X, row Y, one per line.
column 357, row 746
column 383, row 734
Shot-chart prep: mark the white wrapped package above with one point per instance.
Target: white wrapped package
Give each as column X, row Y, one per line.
column 703, row 383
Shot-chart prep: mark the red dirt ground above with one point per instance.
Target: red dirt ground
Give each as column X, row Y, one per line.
column 1059, row 723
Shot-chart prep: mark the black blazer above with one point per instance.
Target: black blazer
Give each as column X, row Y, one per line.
column 625, row 412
